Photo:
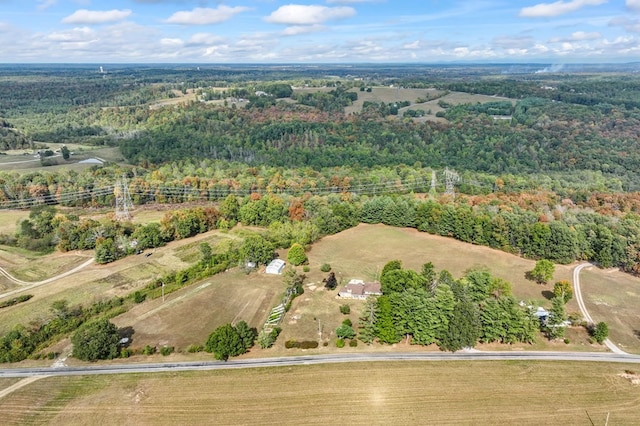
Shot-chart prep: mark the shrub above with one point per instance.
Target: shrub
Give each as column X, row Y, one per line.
column 348, row 322
column 166, row 350
column 149, row 350
column 567, row 341
column 291, row 344
column 296, row 255
column 125, row 353
column 353, row 343
column 52, row 355
column 306, row 268
column 308, row 344
column 345, row 309
column 325, row 267
column 138, row 297
column 15, row 300
column 192, row 349
column 340, row 343
column 325, row 343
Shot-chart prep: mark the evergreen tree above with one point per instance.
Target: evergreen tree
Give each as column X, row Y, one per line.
column 367, row 323
column 464, row 328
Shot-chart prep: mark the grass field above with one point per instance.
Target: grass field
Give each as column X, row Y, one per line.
column 614, row 297
column 10, row 219
column 479, row 393
column 92, row 283
column 188, row 316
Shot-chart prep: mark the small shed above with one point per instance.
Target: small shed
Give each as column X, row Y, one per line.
column 275, row 267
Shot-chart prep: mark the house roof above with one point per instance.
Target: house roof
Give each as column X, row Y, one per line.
column 360, row 288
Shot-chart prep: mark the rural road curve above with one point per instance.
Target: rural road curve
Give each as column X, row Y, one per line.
column 578, row 293
column 319, row 359
column 29, row 285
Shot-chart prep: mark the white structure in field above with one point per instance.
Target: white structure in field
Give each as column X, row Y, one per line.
column 275, row 267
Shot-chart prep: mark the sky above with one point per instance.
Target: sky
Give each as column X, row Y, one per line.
column 320, row 31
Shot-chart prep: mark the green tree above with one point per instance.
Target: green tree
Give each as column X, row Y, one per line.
column 296, row 255
column 429, row 273
column 563, row 290
column 98, row 340
column 554, row 327
column 392, row 265
column 345, row 332
column 106, row 251
column 600, row 332
column 225, row 342
column 463, row 330
column 256, row 248
column 543, row 271
column 66, row 154
column 385, row 328
column 367, row 321
column 247, row 335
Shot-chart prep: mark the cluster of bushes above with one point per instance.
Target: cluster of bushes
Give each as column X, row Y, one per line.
column 228, row 340
column 305, row 344
column 15, row 300
column 267, row 339
column 22, row 342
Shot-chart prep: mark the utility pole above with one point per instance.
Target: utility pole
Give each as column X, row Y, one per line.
column 162, row 291
column 123, row 200
column 450, row 179
column 432, row 191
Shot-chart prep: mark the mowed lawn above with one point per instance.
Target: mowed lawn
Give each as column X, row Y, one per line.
column 384, row 393
column 614, row 297
column 189, row 315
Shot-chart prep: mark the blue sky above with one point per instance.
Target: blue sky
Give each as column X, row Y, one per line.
column 322, row 31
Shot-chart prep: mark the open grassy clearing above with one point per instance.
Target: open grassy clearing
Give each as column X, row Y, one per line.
column 614, row 297
column 453, row 98
column 361, row 252
column 43, row 267
column 10, row 220
column 189, row 315
column 388, row 95
column 358, row 393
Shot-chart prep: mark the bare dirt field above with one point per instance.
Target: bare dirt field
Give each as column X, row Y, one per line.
column 614, row 297
column 479, row 393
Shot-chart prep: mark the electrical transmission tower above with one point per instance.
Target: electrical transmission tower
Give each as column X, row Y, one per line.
column 432, row 191
column 123, row 200
column 450, row 179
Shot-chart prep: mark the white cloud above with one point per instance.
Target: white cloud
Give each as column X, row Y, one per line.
column 513, row 42
column 582, row 35
column 88, row 17
column 171, row 42
column 546, row 10
column 297, row 14
column 73, row 35
column 302, row 29
column 415, row 45
column 633, row 5
column 204, row 39
column 630, row 25
column 45, row 4
column 205, row 15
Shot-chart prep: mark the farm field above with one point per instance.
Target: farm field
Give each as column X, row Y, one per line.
column 614, row 297
column 97, row 281
column 480, row 393
column 189, row 315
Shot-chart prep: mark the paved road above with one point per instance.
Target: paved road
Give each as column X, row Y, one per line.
column 29, row 285
column 320, row 359
column 578, row 293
